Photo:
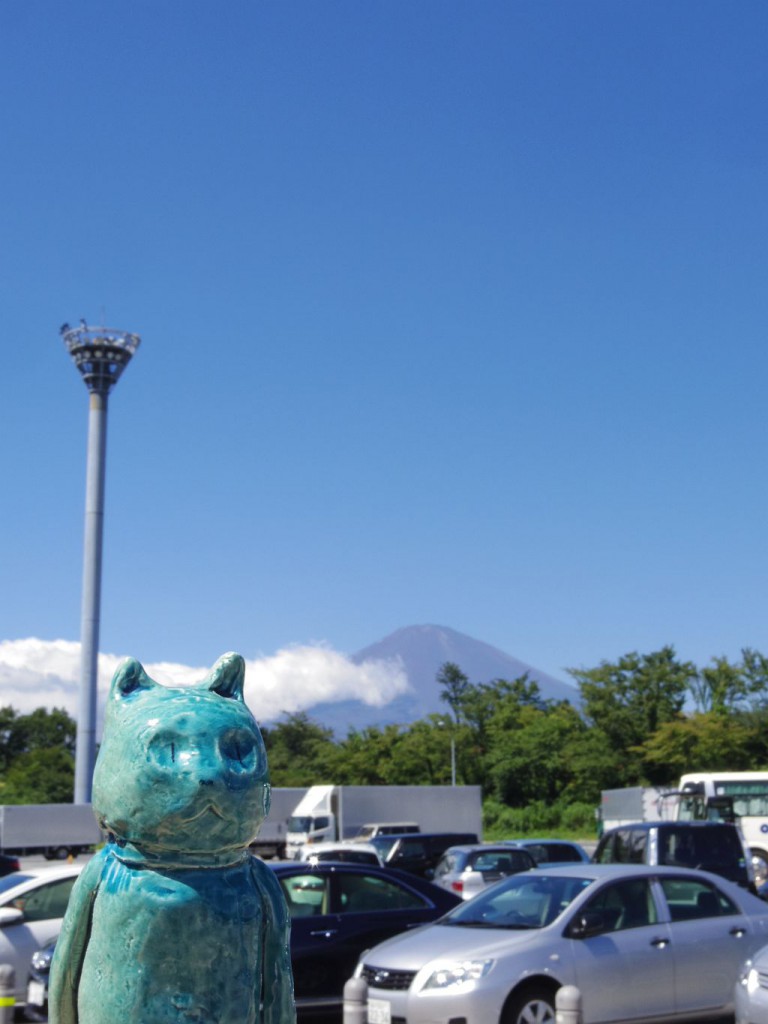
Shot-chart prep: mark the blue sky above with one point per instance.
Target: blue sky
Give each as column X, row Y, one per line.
column 451, row 313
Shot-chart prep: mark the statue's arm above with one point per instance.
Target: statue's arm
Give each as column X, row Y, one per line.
column 277, row 976
column 71, row 943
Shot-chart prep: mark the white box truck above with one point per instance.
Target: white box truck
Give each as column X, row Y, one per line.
column 327, row 813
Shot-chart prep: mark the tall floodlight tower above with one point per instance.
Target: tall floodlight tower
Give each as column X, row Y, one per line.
column 100, row 354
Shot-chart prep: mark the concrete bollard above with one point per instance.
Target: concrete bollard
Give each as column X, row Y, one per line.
column 7, row 994
column 568, row 1005
column 355, row 1001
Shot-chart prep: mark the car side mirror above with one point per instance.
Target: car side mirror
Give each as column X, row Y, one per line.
column 10, row 915
column 590, row 923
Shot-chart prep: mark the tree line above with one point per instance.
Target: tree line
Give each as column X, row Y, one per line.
column 643, row 719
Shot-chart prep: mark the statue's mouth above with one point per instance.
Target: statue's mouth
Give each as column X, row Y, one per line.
column 204, row 812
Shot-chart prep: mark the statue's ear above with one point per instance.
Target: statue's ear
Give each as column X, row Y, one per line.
column 128, row 678
column 227, row 676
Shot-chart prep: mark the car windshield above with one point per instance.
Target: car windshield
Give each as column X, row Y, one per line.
column 522, row 901
column 384, row 844
column 11, row 881
column 299, row 823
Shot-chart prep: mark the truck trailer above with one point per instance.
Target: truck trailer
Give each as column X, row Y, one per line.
column 56, row 831
column 270, row 842
column 329, row 813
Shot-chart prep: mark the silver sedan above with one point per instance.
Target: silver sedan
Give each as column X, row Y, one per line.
column 751, row 992
column 466, row 870
column 637, row 941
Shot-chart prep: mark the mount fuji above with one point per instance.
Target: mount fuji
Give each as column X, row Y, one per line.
column 421, row 651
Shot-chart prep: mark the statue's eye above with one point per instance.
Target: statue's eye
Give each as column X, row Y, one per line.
column 164, row 749
column 238, row 748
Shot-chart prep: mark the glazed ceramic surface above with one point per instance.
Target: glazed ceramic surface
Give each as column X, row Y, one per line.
column 174, row 922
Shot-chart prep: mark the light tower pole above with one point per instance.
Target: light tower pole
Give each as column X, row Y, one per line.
column 100, row 354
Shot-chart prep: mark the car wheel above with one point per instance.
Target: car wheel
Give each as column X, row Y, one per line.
column 531, row 1006
column 56, row 853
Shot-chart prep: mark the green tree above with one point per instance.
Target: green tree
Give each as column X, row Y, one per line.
column 530, row 752
column 39, row 777
column 299, row 751
column 454, row 685
column 629, row 699
column 709, row 739
column 723, row 687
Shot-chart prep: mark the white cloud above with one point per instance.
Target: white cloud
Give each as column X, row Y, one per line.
column 45, row 673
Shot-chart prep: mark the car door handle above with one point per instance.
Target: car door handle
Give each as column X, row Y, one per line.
column 738, row 931
column 660, row 942
column 325, row 932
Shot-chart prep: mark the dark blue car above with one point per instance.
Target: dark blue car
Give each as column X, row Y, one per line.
column 337, row 910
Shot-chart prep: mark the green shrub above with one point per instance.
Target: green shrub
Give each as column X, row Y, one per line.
column 572, row 820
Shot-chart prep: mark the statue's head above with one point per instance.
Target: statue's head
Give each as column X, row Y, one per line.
column 183, row 769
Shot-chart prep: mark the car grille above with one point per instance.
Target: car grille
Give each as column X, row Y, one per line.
column 381, row 977
column 762, row 978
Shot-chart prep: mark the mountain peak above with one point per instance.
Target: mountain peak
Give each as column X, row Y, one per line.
column 422, row 650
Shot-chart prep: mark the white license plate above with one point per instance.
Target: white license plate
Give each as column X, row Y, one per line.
column 378, row 1011
column 36, row 993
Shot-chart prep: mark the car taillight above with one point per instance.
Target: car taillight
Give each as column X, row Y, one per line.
column 457, row 887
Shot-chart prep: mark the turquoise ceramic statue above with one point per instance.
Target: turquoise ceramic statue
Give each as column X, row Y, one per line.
column 174, row 922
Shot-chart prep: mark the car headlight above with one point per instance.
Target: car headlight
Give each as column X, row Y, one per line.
column 41, row 960
column 749, row 977
column 461, row 973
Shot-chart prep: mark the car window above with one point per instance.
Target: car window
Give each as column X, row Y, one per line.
column 552, row 853
column 689, row 899
column 637, row 843
column 604, row 851
column 445, row 865
column 384, row 845
column 527, row 900
column 694, row 847
column 306, row 895
column 348, row 855
column 622, row 846
column 46, row 902
column 625, row 904
column 12, row 880
column 503, row 862
column 362, row 893
column 412, row 848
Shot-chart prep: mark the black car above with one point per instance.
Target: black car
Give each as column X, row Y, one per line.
column 8, row 864
column 419, row 853
column 707, row 845
column 337, row 911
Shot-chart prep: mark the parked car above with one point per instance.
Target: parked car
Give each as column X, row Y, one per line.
column 384, row 828
column 709, row 845
column 32, row 905
column 467, row 870
column 552, row 852
column 348, row 853
column 8, row 864
column 37, row 983
column 337, row 911
column 637, row 941
column 419, row 853
column 750, row 997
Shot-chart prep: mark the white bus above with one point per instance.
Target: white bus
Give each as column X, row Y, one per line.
column 748, row 792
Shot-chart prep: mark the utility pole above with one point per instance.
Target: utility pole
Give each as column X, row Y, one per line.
column 100, row 354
